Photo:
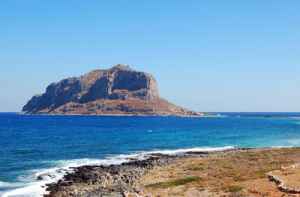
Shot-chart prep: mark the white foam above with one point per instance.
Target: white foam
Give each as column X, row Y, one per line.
column 182, row 151
column 37, row 188
column 294, row 142
column 281, row 147
column 31, row 190
column 4, row 184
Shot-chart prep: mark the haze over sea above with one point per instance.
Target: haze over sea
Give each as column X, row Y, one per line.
column 44, row 147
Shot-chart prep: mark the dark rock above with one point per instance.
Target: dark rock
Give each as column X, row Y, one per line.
column 44, row 176
column 113, row 180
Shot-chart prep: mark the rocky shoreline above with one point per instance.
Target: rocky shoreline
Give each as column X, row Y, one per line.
column 115, row 180
column 226, row 173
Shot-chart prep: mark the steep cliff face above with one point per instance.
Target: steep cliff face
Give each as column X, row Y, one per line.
column 119, row 90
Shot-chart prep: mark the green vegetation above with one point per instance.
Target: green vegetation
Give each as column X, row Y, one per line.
column 234, row 188
column 175, row 183
column 198, row 167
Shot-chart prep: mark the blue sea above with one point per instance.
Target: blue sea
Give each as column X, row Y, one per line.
column 35, row 150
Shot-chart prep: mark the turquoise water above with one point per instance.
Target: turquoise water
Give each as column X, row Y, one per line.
column 35, row 145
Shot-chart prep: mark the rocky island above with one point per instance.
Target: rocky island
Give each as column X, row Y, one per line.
column 119, row 90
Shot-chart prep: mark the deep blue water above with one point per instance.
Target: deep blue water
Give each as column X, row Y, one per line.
column 32, row 144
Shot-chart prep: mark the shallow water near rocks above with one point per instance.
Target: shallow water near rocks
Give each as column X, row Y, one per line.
column 35, row 150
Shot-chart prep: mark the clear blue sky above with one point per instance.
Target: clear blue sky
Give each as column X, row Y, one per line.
column 209, row 55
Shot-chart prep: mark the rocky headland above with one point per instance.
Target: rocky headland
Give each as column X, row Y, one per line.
column 119, row 90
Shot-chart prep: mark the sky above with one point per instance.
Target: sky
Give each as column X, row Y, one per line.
column 233, row 55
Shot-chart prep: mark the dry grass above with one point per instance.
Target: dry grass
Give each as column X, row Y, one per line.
column 233, row 173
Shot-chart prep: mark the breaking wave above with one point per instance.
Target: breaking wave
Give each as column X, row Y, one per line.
column 36, row 182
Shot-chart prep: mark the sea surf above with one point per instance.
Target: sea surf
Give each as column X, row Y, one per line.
column 37, row 150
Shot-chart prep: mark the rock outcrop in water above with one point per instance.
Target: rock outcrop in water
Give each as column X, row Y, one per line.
column 119, row 90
